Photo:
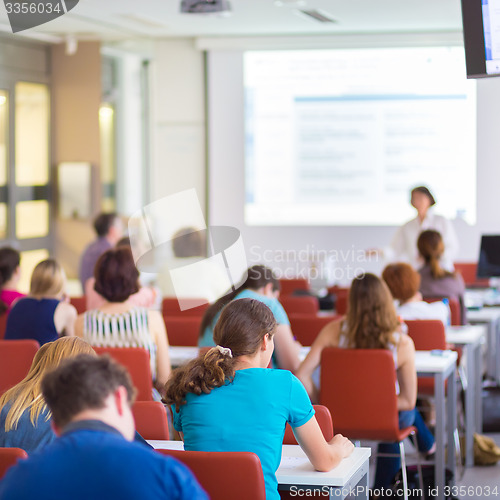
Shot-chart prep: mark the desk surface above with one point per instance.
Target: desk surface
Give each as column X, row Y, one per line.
column 484, row 314
column 426, row 362
column 295, row 467
column 464, row 335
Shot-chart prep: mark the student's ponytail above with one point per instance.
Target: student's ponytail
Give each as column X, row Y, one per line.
column 242, row 326
column 431, row 247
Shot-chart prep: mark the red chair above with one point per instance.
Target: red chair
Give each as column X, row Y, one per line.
column 224, row 475
column 455, row 309
column 192, row 307
column 151, row 419
column 183, row 331
column 427, row 334
column 288, row 286
column 304, row 304
column 9, row 457
column 324, row 418
column 342, row 297
column 358, row 386
column 16, row 357
column 468, row 270
column 3, row 324
column 306, row 328
column 137, row 362
column 80, row 304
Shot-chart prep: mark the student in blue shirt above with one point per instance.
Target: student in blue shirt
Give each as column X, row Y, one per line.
column 260, row 285
column 227, row 400
column 90, row 398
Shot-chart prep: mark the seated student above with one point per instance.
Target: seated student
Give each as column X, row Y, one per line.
column 436, row 281
column 90, row 400
column 227, row 400
column 44, row 315
column 118, row 323
column 260, row 285
column 371, row 323
column 404, row 282
column 145, row 297
column 10, row 273
column 24, row 416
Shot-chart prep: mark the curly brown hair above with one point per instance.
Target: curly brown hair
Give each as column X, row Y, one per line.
column 241, row 327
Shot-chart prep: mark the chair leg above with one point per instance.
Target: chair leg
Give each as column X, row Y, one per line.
column 419, row 465
column 403, row 469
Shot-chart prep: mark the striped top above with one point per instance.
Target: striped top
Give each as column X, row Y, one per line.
column 127, row 329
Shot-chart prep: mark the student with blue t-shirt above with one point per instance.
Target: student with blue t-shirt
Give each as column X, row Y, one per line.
column 227, row 400
column 260, row 285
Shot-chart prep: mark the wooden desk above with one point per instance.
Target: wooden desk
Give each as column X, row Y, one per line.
column 471, row 338
column 295, row 473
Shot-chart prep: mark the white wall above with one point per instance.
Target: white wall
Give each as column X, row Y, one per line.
column 178, row 163
column 178, row 116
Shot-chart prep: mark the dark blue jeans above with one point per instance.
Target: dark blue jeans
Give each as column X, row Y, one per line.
column 387, row 467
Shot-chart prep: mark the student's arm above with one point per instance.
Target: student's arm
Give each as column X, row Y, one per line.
column 64, row 319
column 407, row 374
column 163, row 366
column 79, row 322
column 323, row 456
column 327, row 337
column 286, row 349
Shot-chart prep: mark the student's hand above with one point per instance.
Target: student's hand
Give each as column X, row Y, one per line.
column 343, row 444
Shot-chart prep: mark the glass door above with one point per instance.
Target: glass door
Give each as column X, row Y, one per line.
column 25, row 213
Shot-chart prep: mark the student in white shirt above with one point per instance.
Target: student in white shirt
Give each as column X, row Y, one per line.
column 404, row 283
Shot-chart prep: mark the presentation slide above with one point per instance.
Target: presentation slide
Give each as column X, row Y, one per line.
column 339, row 137
column 491, row 25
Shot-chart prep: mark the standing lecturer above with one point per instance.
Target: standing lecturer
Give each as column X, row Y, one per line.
column 404, row 243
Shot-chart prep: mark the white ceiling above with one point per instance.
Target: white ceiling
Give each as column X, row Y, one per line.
column 126, row 19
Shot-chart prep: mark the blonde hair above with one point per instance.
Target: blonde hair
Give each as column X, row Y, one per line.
column 27, row 393
column 48, row 279
column 371, row 318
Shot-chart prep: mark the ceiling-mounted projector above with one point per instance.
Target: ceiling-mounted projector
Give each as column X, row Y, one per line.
column 204, row 6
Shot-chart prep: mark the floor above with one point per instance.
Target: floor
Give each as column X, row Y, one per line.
column 477, row 482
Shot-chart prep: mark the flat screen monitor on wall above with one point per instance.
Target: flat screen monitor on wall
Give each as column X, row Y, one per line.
column 481, row 27
column 489, row 257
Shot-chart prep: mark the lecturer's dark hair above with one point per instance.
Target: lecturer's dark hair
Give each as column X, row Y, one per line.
column 258, row 276
column 241, row 327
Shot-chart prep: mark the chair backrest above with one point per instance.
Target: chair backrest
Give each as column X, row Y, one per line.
column 225, row 474
column 358, row 386
column 16, row 357
column 301, row 304
column 341, row 298
column 151, row 419
column 468, row 270
column 183, row 330
column 324, row 418
column 306, row 327
column 192, row 307
column 136, row 361
column 427, row 334
column 288, row 286
column 455, row 309
column 80, row 304
column 9, row 457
